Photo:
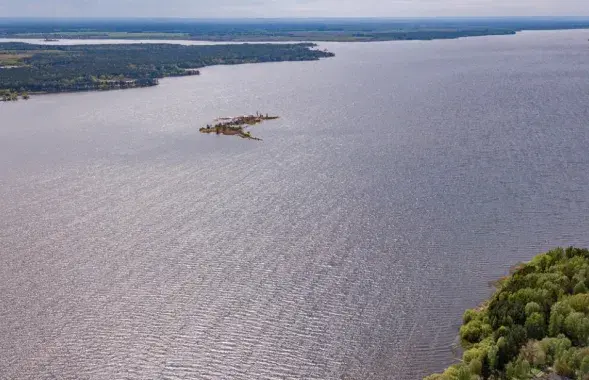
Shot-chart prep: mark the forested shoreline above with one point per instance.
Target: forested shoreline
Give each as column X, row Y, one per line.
column 27, row 68
column 535, row 325
column 326, row 29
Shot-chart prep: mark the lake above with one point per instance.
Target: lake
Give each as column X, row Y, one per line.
column 401, row 178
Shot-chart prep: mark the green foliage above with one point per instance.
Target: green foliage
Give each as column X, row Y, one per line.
column 533, row 307
column 558, row 313
column 464, row 374
column 537, row 321
column 536, row 326
column 508, row 346
column 555, row 347
column 527, row 295
column 580, row 288
column 469, row 315
column 520, row 369
column 583, row 372
column 506, row 312
column 8, row 95
column 576, row 326
column 285, row 30
column 472, row 331
column 562, row 365
column 579, row 302
column 92, row 67
column 476, row 367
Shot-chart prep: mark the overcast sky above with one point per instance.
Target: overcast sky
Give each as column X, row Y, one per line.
column 290, row 8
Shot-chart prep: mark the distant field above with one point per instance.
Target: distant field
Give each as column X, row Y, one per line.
column 18, row 58
column 113, row 35
column 283, row 29
column 10, row 59
column 260, row 35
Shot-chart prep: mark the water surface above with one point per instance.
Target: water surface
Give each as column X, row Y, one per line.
column 400, row 180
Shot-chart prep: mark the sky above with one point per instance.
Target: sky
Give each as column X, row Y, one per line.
column 290, row 8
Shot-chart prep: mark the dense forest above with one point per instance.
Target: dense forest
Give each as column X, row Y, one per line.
column 43, row 68
column 283, row 29
column 536, row 323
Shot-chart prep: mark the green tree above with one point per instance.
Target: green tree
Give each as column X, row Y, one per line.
column 468, row 316
column 580, row 288
column 476, row 367
column 472, row 331
column 558, row 314
column 464, row 373
column 536, row 326
column 583, row 372
column 533, row 307
column 576, row 326
column 562, row 365
column 518, row 370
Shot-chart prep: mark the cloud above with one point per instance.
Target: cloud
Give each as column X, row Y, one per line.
column 290, row 8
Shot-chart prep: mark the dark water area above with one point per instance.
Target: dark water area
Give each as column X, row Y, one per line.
column 401, row 178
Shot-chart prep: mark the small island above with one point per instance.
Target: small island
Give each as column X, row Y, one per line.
column 236, row 126
column 535, row 326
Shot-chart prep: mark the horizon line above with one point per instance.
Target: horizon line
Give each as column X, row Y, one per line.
column 288, row 18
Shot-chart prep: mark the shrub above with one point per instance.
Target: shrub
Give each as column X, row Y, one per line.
column 471, row 332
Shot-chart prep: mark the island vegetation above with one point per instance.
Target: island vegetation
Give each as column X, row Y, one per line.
column 9, row 95
column 237, row 126
column 334, row 29
column 27, row 68
column 536, row 325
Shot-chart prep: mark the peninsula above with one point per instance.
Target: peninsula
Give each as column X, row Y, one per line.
column 236, row 126
column 536, row 325
column 32, row 69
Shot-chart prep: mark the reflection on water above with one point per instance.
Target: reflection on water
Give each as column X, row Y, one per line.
column 400, row 179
